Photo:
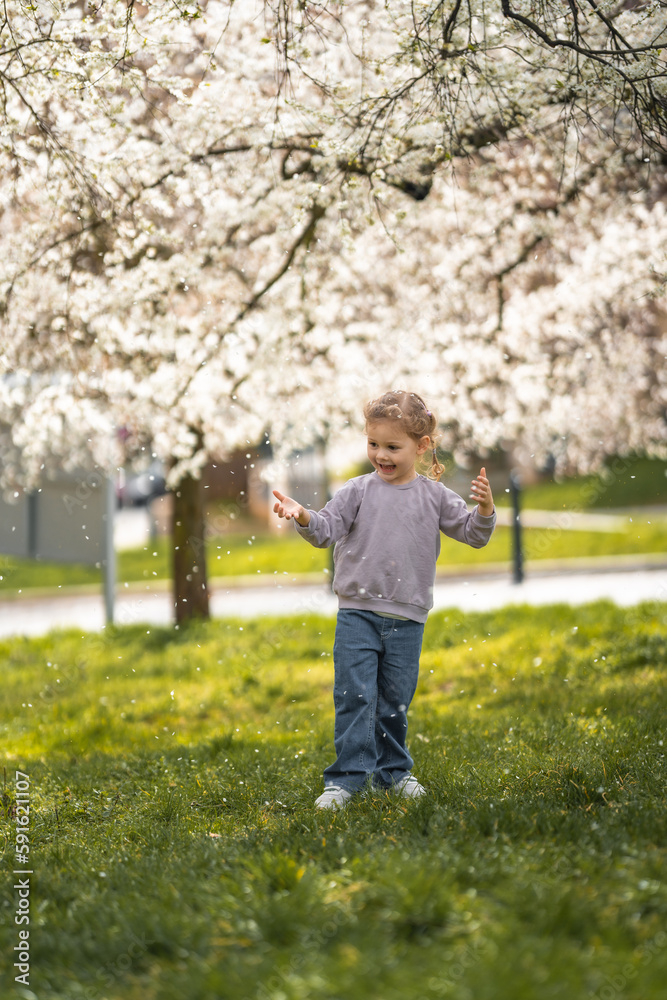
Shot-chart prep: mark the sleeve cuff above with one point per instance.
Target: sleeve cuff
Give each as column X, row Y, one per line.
column 307, row 529
column 485, row 517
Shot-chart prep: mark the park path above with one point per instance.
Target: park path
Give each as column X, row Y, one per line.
column 566, row 520
column 28, row 615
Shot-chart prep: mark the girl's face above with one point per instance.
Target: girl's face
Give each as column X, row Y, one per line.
column 392, row 452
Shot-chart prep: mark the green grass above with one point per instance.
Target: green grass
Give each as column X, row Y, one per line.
column 253, row 553
column 176, row 852
column 642, row 536
column 624, row 482
column 248, row 553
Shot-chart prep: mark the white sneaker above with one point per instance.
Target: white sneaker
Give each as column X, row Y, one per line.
column 333, row 797
column 409, row 787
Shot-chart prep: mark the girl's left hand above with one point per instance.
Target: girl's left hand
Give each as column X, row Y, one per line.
column 481, row 493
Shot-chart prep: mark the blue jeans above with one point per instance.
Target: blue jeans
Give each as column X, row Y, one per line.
column 376, row 666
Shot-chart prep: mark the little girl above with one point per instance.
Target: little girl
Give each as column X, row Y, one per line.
column 386, row 528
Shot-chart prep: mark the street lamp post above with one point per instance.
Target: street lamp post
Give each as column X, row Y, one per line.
column 517, row 546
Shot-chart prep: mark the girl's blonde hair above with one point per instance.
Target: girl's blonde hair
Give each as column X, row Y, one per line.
column 416, row 418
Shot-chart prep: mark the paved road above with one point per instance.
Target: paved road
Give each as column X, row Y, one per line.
column 34, row 616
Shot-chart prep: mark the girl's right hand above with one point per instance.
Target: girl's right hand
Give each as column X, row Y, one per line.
column 288, row 508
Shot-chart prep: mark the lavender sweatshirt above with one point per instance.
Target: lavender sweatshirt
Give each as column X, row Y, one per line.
column 388, row 540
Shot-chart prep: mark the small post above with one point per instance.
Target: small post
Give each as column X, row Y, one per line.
column 517, row 547
column 152, row 521
column 33, row 522
column 109, row 560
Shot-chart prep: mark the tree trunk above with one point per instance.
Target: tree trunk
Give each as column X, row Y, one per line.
column 190, row 583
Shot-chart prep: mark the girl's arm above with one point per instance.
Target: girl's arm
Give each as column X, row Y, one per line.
column 288, row 508
column 323, row 528
column 473, row 527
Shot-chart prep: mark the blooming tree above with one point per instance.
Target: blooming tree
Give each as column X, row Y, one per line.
column 154, row 203
column 526, row 303
column 200, row 245
column 528, row 281
column 410, row 80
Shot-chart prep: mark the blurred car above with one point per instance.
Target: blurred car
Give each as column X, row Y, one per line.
column 136, row 489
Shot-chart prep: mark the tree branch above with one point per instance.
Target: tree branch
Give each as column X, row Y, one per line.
column 304, row 239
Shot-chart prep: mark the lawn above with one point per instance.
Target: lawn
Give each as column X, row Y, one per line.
column 252, row 550
column 256, row 554
column 623, row 482
column 176, row 853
